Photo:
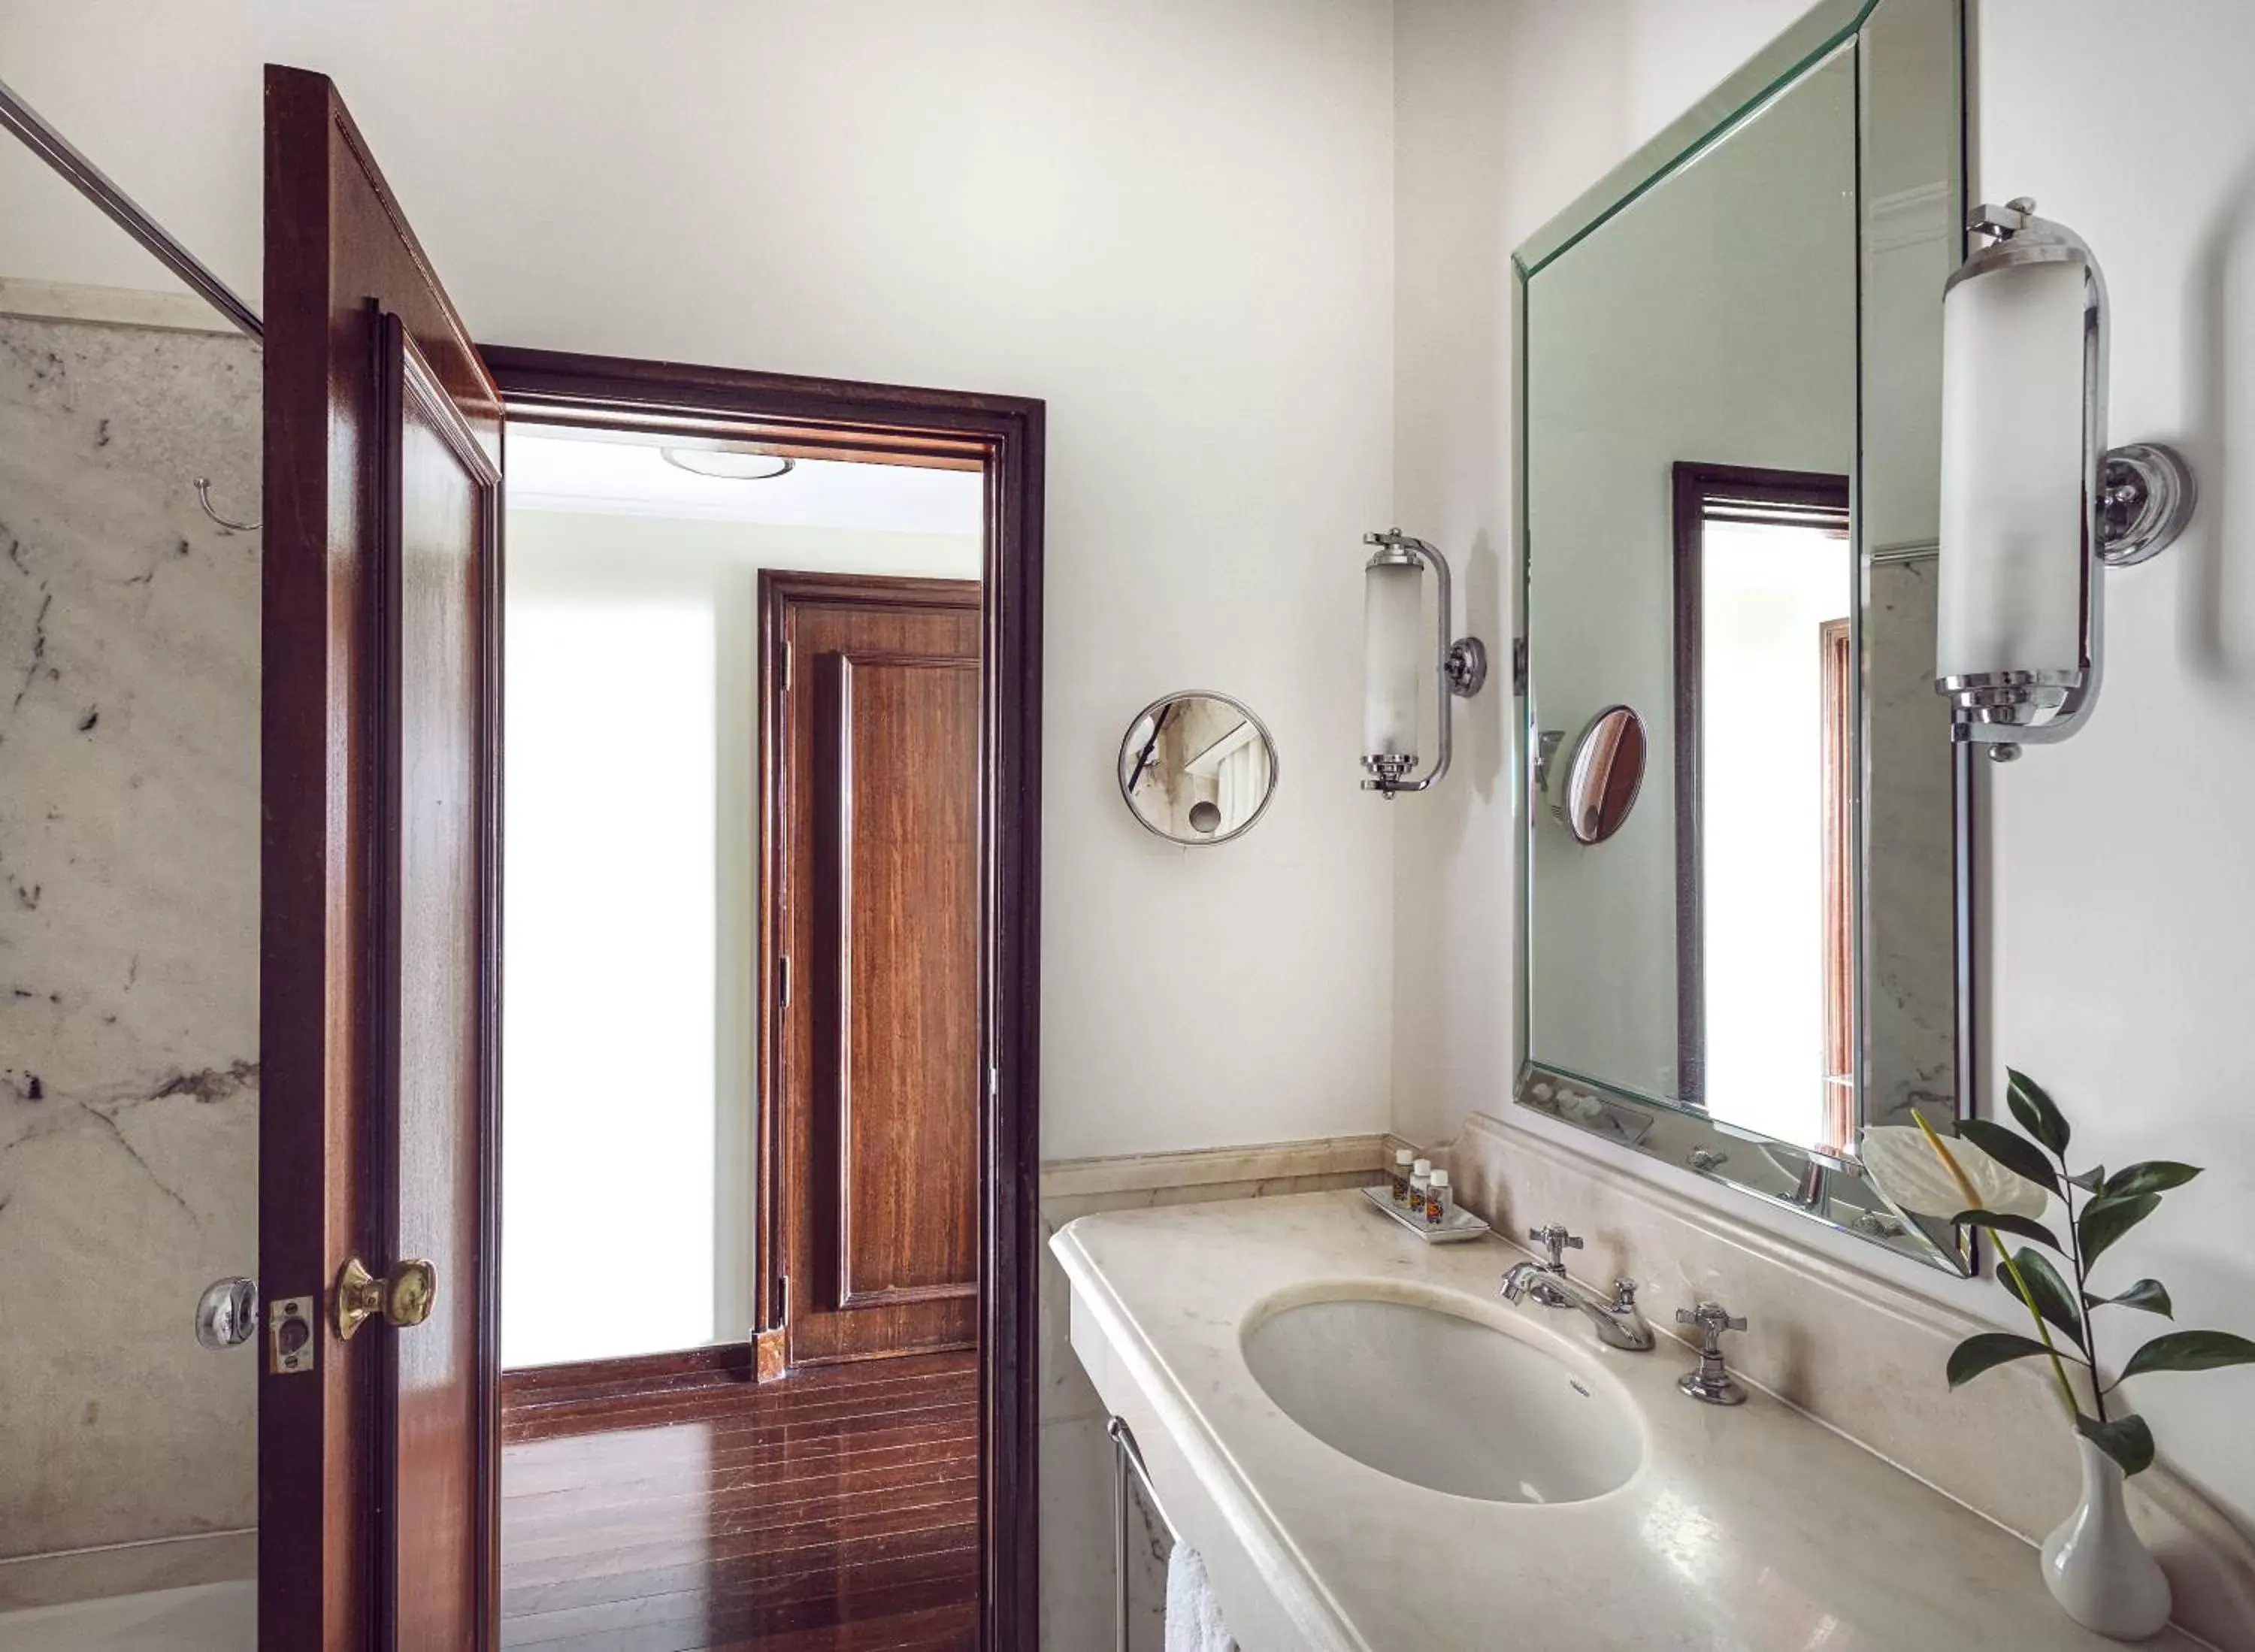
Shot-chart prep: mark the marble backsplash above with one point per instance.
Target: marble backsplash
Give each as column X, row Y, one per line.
column 129, row 929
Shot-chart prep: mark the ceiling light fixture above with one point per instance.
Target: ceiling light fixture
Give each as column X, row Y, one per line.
column 729, row 464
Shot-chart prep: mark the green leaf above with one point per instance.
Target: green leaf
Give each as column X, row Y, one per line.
column 2039, row 1115
column 2105, row 1220
column 2016, row 1153
column 2154, row 1176
column 2190, row 1351
column 2053, row 1300
column 2126, row 1440
column 2005, row 1223
column 2148, row 1294
column 2091, row 1180
column 1992, row 1348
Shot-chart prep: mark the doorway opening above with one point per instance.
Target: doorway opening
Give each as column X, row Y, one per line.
column 764, row 1235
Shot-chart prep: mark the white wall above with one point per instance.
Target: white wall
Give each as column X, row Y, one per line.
column 2116, row 967
column 1172, row 220
column 621, row 672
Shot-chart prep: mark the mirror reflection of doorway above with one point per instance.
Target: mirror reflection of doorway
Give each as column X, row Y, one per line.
column 1765, row 744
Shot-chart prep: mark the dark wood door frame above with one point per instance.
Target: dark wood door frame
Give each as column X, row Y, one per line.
column 1738, row 493
column 1001, row 436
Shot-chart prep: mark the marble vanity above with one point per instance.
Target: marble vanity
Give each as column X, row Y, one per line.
column 1753, row 1527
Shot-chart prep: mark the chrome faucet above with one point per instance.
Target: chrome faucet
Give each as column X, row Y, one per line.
column 1615, row 1319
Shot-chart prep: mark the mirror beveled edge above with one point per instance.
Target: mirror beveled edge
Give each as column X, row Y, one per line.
column 1816, row 1185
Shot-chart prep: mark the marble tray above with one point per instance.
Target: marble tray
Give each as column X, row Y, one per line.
column 1460, row 1225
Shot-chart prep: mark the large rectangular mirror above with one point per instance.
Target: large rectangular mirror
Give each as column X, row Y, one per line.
column 1745, row 904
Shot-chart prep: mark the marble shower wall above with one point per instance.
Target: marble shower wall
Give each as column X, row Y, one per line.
column 129, row 928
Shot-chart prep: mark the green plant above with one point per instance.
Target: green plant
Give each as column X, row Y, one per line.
column 2100, row 1210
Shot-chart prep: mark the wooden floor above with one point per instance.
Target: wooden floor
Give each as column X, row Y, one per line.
column 835, row 1510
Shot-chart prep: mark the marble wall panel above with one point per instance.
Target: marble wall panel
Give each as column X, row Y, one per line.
column 129, row 928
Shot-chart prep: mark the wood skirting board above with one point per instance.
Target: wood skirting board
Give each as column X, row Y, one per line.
column 1861, row 1354
column 580, row 1379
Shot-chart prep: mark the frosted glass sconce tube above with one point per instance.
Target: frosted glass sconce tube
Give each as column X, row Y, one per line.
column 2034, row 505
column 1398, row 652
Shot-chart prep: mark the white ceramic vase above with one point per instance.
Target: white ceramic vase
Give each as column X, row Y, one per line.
column 2096, row 1566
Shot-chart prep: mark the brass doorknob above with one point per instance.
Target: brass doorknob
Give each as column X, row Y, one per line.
column 403, row 1298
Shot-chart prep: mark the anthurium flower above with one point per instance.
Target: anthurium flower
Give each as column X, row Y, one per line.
column 1899, row 1158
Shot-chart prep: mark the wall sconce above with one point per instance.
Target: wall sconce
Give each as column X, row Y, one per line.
column 2034, row 505
column 1393, row 660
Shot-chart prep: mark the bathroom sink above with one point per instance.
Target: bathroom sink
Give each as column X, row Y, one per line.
column 1444, row 1402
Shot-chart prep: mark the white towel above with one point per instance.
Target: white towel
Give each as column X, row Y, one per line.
column 1193, row 1615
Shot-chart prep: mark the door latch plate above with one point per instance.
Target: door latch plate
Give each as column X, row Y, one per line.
column 290, row 1342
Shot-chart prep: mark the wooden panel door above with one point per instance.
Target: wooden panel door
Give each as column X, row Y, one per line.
column 377, row 981
column 877, row 822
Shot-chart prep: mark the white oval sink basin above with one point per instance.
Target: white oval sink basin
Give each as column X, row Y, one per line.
column 1444, row 1402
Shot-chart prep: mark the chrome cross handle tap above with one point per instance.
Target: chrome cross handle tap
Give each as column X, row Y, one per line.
column 1558, row 1241
column 1710, row 1383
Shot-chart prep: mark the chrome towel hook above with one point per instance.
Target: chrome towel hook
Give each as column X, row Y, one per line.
column 203, row 498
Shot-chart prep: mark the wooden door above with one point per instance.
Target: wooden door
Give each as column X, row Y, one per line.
column 874, row 889
column 378, row 976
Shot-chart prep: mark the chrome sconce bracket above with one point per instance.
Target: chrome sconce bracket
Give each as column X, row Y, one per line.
column 2137, row 500
column 1460, row 665
column 2146, row 496
column 1466, row 666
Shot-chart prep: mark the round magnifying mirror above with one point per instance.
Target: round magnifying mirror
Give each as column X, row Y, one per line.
column 1602, row 775
column 1196, row 767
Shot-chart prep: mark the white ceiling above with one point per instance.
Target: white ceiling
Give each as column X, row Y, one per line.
column 552, row 470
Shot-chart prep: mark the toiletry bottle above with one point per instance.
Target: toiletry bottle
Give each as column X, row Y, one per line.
column 1402, row 1160
column 1437, row 1207
column 1420, row 1173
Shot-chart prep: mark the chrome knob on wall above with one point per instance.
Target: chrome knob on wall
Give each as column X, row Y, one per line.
column 227, row 1314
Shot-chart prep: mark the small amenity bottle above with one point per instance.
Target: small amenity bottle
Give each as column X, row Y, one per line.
column 1402, row 1160
column 1438, row 1208
column 1420, row 1173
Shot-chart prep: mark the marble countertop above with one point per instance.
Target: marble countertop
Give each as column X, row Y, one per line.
column 1746, row 1530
